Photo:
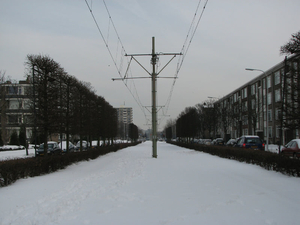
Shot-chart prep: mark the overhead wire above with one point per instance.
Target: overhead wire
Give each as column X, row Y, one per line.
column 188, row 40
column 184, row 50
column 119, row 68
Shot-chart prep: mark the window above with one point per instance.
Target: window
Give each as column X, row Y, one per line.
column 268, row 81
column 252, row 89
column 241, row 141
column 12, row 90
column 269, row 115
column 245, row 120
column 244, row 106
column 14, row 104
column 270, row 132
column 12, row 119
column 277, row 95
column 244, row 93
column 277, row 131
column 269, row 99
column 294, row 65
column 292, row 144
column 253, row 103
column 26, row 104
column 277, row 77
column 277, row 114
column 28, row 119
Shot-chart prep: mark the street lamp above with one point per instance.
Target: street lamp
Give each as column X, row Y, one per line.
column 267, row 144
column 213, row 97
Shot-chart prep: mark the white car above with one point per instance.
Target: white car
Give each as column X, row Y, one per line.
column 63, row 146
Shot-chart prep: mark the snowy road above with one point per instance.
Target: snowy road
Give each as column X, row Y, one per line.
column 130, row 187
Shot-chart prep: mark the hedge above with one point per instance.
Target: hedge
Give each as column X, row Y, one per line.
column 267, row 160
column 12, row 170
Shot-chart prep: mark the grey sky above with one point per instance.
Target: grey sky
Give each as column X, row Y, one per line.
column 231, row 36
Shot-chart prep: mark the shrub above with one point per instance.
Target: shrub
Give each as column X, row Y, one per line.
column 12, row 170
column 267, row 160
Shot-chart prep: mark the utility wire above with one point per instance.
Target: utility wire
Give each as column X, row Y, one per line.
column 184, row 50
column 119, row 69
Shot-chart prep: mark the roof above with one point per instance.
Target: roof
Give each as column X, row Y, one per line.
column 297, row 140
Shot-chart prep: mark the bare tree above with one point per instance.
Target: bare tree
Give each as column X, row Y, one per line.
column 3, row 105
column 291, row 84
column 293, row 46
column 45, row 73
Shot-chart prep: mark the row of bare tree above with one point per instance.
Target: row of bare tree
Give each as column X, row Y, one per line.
column 198, row 121
column 62, row 104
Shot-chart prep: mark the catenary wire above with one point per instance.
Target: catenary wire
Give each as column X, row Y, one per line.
column 137, row 99
column 184, row 50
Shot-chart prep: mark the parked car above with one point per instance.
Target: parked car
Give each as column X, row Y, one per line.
column 231, row 142
column 53, row 149
column 85, row 145
column 250, row 141
column 219, row 141
column 207, row 142
column 63, row 146
column 292, row 148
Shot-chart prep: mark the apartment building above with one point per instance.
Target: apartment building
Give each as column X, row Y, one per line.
column 260, row 107
column 15, row 109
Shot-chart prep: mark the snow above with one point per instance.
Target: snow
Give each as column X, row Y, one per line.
column 130, row 187
column 6, row 155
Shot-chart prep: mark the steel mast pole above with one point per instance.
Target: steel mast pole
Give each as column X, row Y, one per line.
column 153, row 76
column 154, row 120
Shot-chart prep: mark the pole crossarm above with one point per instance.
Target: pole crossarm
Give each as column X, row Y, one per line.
column 161, row 53
column 129, row 78
column 128, row 67
column 167, row 64
column 141, row 65
column 169, row 77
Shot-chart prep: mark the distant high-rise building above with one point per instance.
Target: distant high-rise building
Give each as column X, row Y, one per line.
column 125, row 117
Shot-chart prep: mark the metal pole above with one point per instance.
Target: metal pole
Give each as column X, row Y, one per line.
column 267, row 118
column 34, row 110
column 266, row 92
column 153, row 77
column 154, row 121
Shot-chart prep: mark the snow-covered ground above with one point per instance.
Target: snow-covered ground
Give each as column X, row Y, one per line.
column 130, row 187
column 14, row 154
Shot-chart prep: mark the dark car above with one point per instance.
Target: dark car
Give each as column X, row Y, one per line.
column 252, row 142
column 53, row 149
column 292, row 148
column 219, row 141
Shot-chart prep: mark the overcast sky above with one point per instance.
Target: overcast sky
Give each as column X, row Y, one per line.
column 231, row 36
